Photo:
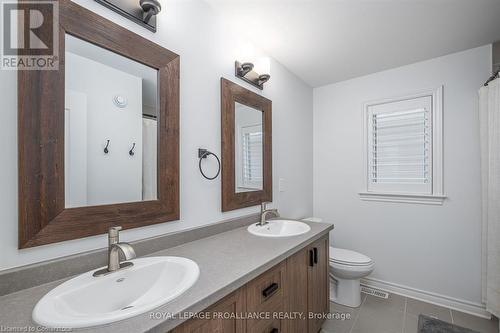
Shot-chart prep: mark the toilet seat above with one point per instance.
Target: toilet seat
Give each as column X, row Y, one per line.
column 349, row 258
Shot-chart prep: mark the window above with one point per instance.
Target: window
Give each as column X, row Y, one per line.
column 252, row 156
column 403, row 140
column 251, row 148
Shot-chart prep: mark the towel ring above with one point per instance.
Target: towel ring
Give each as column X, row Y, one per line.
column 204, row 153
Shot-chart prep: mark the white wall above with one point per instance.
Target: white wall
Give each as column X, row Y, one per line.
column 191, row 29
column 436, row 249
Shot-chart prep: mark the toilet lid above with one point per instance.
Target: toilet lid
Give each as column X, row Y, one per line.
column 348, row 257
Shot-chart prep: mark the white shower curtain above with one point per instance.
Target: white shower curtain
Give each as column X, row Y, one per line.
column 149, row 159
column 489, row 116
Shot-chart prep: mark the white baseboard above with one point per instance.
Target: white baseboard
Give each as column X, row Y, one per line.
column 472, row 308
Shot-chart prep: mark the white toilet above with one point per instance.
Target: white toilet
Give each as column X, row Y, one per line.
column 346, row 270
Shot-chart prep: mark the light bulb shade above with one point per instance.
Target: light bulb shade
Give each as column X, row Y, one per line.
column 263, row 78
column 150, row 5
column 150, row 8
column 244, row 69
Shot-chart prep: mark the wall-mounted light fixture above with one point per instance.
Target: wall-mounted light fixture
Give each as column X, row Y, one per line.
column 256, row 73
column 142, row 12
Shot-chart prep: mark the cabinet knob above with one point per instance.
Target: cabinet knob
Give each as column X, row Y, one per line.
column 315, row 250
column 311, row 258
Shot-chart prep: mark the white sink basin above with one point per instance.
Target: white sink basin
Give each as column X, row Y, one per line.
column 279, row 228
column 89, row 301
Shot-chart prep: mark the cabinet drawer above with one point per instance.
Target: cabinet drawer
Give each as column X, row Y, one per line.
column 266, row 326
column 265, row 293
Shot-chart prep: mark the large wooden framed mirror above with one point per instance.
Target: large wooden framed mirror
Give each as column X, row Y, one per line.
column 98, row 138
column 246, row 147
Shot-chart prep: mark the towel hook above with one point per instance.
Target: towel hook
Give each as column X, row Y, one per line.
column 131, row 151
column 106, row 150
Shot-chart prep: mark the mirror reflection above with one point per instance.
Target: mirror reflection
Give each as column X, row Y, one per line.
column 249, row 148
column 110, row 127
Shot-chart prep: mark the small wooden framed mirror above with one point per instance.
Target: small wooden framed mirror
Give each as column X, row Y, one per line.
column 246, row 147
column 99, row 137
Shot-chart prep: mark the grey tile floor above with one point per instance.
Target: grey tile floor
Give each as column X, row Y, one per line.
column 397, row 314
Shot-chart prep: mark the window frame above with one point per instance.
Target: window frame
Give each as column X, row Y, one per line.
column 437, row 196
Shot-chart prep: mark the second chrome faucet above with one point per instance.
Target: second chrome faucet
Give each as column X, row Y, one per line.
column 265, row 212
column 115, row 248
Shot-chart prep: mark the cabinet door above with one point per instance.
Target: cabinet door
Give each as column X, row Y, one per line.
column 296, row 291
column 318, row 283
column 232, row 304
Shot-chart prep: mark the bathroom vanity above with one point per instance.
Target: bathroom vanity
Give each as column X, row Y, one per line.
column 236, row 269
column 283, row 298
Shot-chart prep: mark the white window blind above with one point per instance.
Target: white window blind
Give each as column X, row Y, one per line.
column 400, row 151
column 252, row 157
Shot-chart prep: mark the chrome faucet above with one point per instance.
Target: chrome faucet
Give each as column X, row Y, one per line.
column 114, row 250
column 264, row 212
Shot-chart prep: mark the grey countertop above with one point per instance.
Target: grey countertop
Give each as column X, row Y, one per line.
column 227, row 261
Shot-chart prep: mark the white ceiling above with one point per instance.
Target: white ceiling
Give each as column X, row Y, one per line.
column 326, row 41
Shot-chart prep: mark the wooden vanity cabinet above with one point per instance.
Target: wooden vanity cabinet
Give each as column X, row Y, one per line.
column 299, row 284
